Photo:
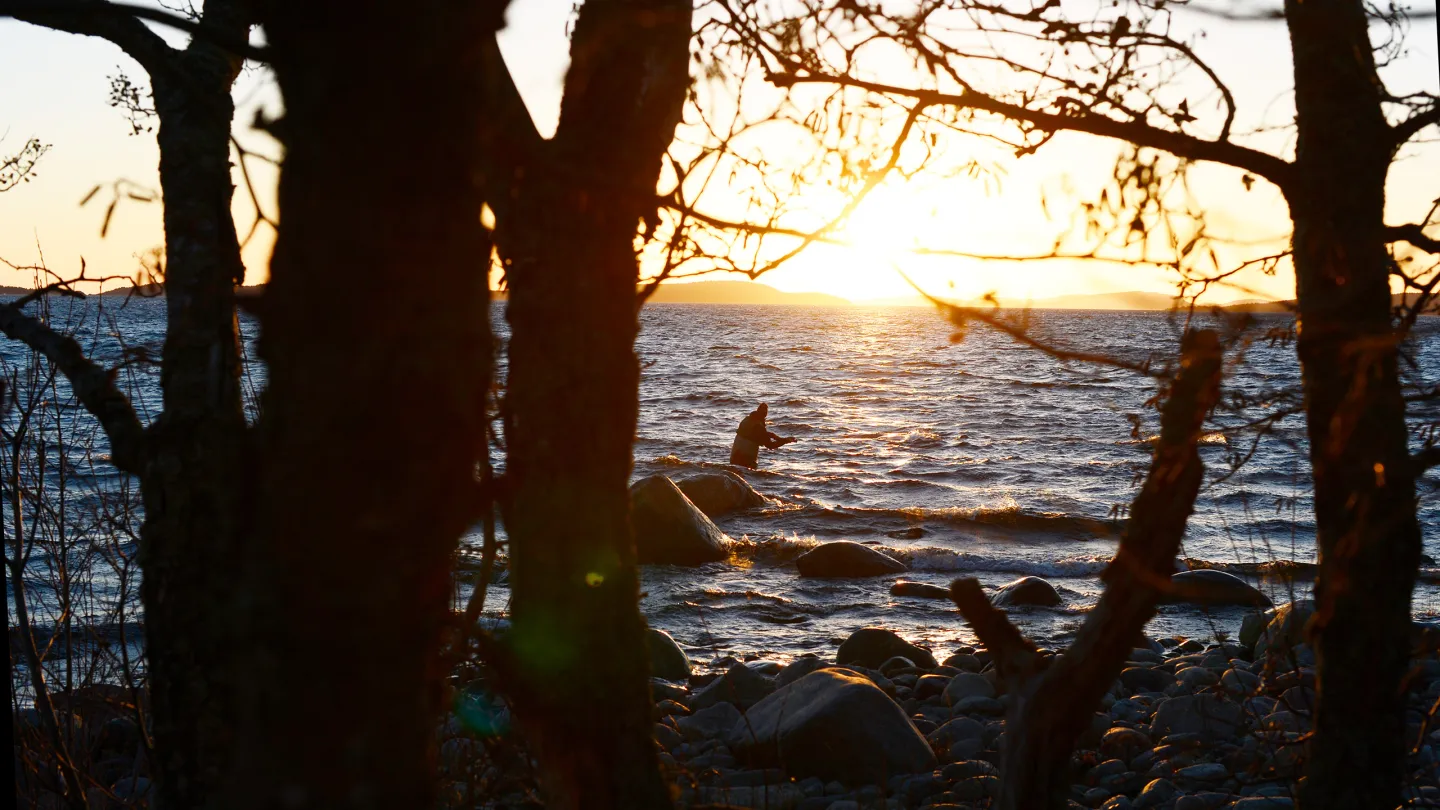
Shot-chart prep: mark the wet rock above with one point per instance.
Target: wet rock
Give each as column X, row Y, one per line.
column 968, row 684
column 1208, row 715
column 720, row 493
column 667, row 660
column 1196, row 678
column 669, row 530
column 1206, row 773
column 1240, row 682
column 832, row 724
column 930, row 685
column 965, row 661
column 1138, row 679
column 740, row 685
column 667, row 736
column 709, row 723
column 663, row 690
column 1284, row 629
column 871, row 647
column 1155, row 794
column 896, row 665
column 919, row 590
column 1026, row 591
column 1123, row 743
column 846, row 558
column 799, row 668
column 1210, row 587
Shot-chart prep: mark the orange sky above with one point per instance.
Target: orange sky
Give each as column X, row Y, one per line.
column 62, row 101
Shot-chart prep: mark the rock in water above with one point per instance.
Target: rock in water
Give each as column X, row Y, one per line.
column 799, row 668
column 1284, row 629
column 720, row 493
column 873, row 646
column 835, row 725
column 845, row 558
column 667, row 660
column 669, row 530
column 1210, row 587
column 740, row 685
column 1027, row 591
column 922, row 590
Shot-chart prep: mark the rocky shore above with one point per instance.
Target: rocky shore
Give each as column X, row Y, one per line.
column 1187, row 725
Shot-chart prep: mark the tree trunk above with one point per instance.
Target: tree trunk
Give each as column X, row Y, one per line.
column 1368, row 535
column 376, row 337
column 1052, row 707
column 578, row 675
column 193, row 471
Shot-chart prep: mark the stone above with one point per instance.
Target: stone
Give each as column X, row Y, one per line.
column 966, row 661
column 131, row 789
column 1264, row 803
column 1240, row 682
column 769, row 776
column 664, row 690
column 770, row 797
column 976, row 788
column 1284, row 630
column 1156, row 793
column 961, row 728
column 669, row 530
column 1204, row 773
column 846, row 558
column 1207, row 715
column 1138, row 679
column 709, row 723
column 1298, row 699
column 872, row 646
column 968, row 684
column 919, row 590
column 979, row 704
column 1210, row 587
column 740, row 685
column 799, row 668
column 668, row 737
column 930, row 685
column 720, row 493
column 894, row 665
column 1026, row 591
column 667, row 660
column 833, row 724
column 1195, row 678
column 1123, row 743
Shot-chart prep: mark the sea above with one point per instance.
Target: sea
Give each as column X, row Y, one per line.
column 958, row 451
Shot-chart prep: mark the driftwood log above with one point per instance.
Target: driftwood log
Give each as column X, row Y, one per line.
column 1053, row 700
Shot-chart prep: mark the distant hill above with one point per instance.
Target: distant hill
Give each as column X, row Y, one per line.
column 739, row 292
column 1134, row 300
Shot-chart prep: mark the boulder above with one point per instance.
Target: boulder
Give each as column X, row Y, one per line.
column 799, row 668
column 835, row 725
column 967, row 684
column 667, row 660
column 740, row 685
column 846, row 558
column 1284, row 630
column 669, row 530
column 710, row 723
column 720, row 493
column 919, row 590
column 873, row 646
column 1210, row 587
column 1026, row 591
column 1139, row 679
column 1123, row 743
column 1207, row 715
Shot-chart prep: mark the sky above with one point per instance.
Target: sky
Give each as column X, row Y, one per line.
column 57, row 85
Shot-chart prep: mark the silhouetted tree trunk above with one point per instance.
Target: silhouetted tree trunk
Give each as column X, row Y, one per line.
column 578, row 668
column 376, row 336
column 1368, row 535
column 191, row 461
column 1051, row 707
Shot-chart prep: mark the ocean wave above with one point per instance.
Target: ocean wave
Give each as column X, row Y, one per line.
column 1213, row 438
column 757, row 362
column 930, row 558
column 1009, row 515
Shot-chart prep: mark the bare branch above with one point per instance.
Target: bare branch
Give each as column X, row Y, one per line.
column 1410, row 127
column 92, row 383
column 121, row 24
column 1413, row 234
column 1137, row 132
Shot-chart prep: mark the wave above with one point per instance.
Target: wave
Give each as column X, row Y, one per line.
column 930, row 558
column 1214, row 438
column 758, row 362
column 1009, row 515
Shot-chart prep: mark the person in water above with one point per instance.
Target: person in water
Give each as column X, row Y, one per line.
column 751, row 436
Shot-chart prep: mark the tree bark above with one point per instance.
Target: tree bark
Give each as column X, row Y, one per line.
column 195, row 470
column 1368, row 535
column 1053, row 706
column 191, row 460
column 375, row 332
column 578, row 672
